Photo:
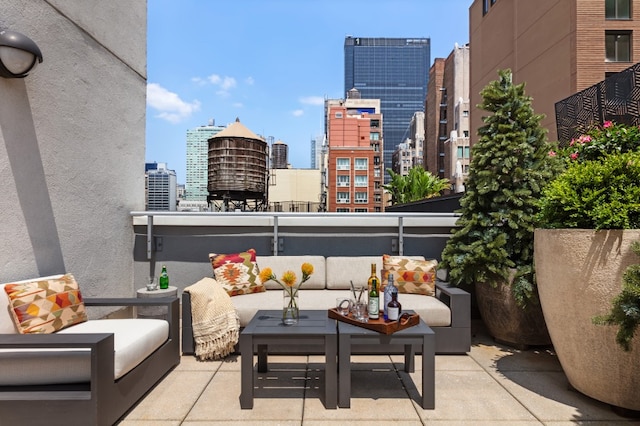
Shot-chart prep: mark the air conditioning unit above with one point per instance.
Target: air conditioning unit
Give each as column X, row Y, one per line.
column 341, row 201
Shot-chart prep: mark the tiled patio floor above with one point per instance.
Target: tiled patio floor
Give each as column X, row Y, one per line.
column 492, row 385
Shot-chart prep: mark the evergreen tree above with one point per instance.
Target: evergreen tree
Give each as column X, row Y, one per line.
column 509, row 166
column 417, row 185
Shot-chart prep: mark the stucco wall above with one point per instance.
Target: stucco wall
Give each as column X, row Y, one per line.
column 72, row 143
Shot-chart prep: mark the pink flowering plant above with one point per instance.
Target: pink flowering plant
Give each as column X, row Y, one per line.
column 600, row 141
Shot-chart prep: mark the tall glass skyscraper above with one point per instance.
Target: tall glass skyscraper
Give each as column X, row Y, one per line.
column 197, row 161
column 394, row 70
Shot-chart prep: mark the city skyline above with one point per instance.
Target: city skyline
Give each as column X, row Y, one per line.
column 271, row 64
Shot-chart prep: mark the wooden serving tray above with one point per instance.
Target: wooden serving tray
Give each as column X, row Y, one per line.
column 379, row 324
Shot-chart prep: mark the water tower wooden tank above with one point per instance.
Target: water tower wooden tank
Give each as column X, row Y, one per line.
column 237, row 169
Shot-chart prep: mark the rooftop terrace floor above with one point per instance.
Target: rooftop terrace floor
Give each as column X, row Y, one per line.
column 492, row 385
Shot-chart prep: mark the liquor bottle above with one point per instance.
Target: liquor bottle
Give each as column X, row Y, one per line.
column 374, row 296
column 164, row 278
column 394, row 308
column 388, row 291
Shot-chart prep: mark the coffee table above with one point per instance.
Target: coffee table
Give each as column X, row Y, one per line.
column 266, row 328
column 421, row 335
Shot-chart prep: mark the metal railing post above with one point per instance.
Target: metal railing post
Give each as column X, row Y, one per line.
column 400, row 236
column 275, row 235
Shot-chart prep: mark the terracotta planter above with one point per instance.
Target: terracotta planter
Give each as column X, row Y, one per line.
column 506, row 321
column 579, row 272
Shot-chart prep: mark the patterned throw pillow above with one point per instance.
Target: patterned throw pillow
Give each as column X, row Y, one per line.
column 46, row 305
column 410, row 276
column 238, row 272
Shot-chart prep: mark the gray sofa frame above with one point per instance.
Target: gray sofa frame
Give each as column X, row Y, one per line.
column 102, row 401
column 454, row 339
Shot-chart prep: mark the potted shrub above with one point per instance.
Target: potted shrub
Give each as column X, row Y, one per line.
column 492, row 246
column 592, row 212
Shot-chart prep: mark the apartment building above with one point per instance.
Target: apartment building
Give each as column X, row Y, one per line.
column 447, row 131
column 354, row 167
column 557, row 47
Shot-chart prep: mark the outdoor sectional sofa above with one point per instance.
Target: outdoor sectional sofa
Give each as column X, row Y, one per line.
column 448, row 313
column 90, row 373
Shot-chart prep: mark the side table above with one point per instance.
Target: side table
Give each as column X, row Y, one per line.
column 421, row 335
column 266, row 328
column 156, row 312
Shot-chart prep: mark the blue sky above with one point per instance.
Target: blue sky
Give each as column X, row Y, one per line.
column 269, row 62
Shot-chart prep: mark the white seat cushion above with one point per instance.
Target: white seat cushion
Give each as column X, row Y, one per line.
column 431, row 310
column 134, row 340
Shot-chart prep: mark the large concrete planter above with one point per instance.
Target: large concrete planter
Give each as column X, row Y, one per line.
column 579, row 272
column 506, row 321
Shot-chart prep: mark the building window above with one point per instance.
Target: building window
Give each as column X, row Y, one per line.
column 342, row 164
column 342, row 197
column 618, row 46
column 361, row 180
column 465, row 113
column 376, row 172
column 374, row 136
column 465, row 133
column 360, row 210
column 361, row 164
column 617, row 9
column 374, row 123
column 338, row 115
column 343, row 180
column 463, row 152
column 485, row 7
column 361, row 198
column 342, row 210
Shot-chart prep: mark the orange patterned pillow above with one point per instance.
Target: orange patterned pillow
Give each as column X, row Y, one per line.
column 410, row 276
column 46, row 305
column 237, row 272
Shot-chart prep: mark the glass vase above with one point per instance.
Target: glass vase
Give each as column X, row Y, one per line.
column 290, row 306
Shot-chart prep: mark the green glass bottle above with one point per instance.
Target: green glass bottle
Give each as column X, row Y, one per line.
column 374, row 295
column 164, row 278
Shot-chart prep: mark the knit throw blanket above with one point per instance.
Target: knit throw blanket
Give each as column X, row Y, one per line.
column 216, row 326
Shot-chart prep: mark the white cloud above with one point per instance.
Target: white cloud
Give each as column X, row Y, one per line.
column 298, row 113
column 169, row 105
column 238, row 105
column 249, row 81
column 225, row 83
column 199, row 81
column 312, row 100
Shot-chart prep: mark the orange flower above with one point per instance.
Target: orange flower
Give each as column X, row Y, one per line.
column 289, row 278
column 266, row 274
column 307, row 269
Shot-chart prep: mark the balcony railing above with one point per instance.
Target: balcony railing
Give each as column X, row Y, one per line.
column 183, row 240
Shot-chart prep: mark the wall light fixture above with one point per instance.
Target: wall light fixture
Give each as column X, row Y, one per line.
column 18, row 54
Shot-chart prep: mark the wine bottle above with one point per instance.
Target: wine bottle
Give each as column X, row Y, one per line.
column 164, row 278
column 388, row 291
column 374, row 296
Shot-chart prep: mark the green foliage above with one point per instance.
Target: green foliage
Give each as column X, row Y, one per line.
column 509, row 167
column 625, row 311
column 595, row 194
column 417, row 185
column 601, row 141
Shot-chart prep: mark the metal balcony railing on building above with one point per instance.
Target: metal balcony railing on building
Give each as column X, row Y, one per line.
column 183, row 240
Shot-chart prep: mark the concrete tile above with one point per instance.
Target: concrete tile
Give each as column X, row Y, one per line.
column 150, row 423
column 180, row 388
column 375, row 396
column 548, row 396
column 191, row 363
column 466, row 396
column 278, row 396
column 505, row 358
column 443, row 362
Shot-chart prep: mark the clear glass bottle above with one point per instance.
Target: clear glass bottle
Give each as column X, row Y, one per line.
column 164, row 278
column 389, row 289
column 374, row 295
